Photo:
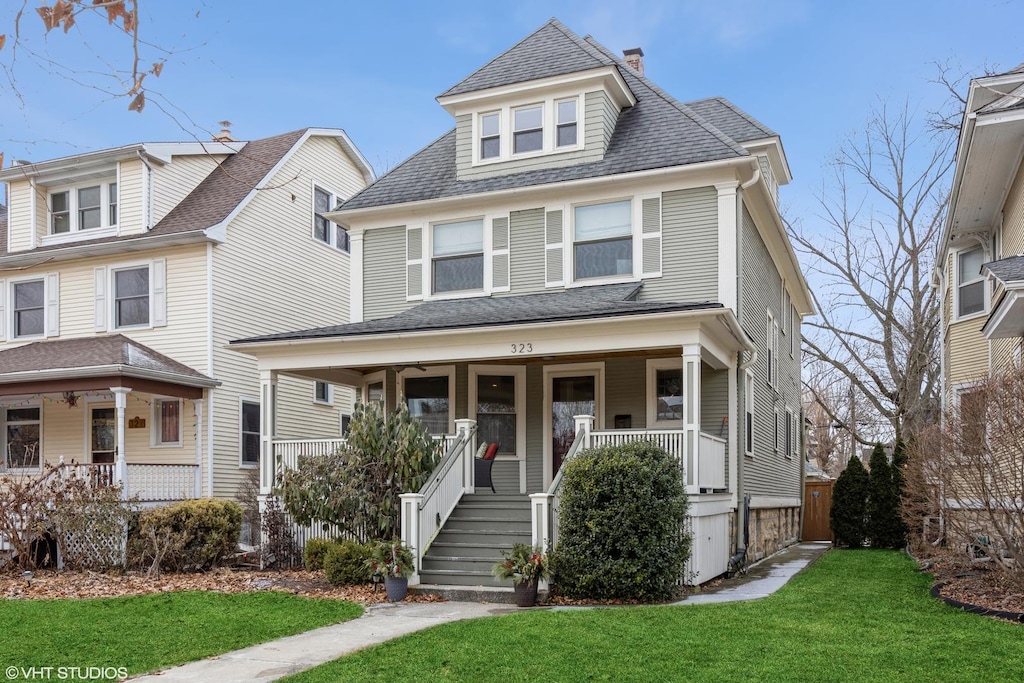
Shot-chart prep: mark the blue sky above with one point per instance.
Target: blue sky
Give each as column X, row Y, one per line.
column 810, row 70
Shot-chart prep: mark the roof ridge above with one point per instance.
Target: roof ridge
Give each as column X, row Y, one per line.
column 686, row 111
column 741, row 113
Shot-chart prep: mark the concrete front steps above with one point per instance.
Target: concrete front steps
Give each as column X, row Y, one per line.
column 482, row 525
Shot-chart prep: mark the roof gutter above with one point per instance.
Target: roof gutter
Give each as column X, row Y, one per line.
column 104, row 371
column 38, row 257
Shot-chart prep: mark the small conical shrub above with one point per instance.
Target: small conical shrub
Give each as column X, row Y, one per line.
column 884, row 524
column 899, row 485
column 849, row 505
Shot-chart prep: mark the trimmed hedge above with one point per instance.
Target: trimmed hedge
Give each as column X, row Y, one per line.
column 193, row 535
column 345, row 563
column 623, row 514
column 315, row 551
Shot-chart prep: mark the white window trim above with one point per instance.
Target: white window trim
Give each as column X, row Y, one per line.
column 569, row 240
column 771, row 360
column 154, row 432
column 519, row 373
column 794, row 327
column 29, row 402
column 373, row 378
column 748, row 416
column 549, row 120
column 777, row 435
column 75, row 233
column 242, row 464
column 957, row 284
column 342, row 416
column 486, row 253
column 10, row 316
column 332, row 230
column 570, row 370
column 153, row 286
column 653, row 365
column 330, row 394
column 791, row 446
column 436, row 371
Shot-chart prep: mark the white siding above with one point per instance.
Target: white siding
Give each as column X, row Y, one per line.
column 173, row 182
column 131, row 198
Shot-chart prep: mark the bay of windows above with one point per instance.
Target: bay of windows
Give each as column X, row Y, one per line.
column 603, row 244
column 83, row 208
column 457, row 262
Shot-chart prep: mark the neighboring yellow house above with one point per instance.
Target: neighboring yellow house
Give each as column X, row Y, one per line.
column 123, row 275
column 980, row 269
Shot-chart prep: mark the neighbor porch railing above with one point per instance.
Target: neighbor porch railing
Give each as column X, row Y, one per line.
column 149, row 482
column 425, row 512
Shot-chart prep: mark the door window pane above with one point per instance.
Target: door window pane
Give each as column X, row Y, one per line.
column 496, row 411
column 669, row 387
column 169, row 428
column 427, row 398
column 570, row 396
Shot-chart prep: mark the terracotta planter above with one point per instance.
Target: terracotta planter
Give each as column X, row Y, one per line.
column 526, row 593
column 396, row 587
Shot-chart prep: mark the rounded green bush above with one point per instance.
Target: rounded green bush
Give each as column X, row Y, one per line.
column 622, row 525
column 315, row 551
column 345, row 563
column 192, row 535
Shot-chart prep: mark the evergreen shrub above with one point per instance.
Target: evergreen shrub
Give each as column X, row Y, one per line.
column 848, row 514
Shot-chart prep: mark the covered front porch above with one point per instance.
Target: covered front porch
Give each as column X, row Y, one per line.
column 107, row 410
column 539, row 390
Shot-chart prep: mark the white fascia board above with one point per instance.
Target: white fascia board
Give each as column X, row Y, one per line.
column 349, row 148
column 103, row 371
column 57, row 167
column 773, row 148
column 119, row 246
column 606, row 76
column 164, row 151
column 743, row 164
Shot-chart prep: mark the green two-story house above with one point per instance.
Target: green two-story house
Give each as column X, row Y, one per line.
column 580, row 260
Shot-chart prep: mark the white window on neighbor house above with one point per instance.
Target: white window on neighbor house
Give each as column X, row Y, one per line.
column 776, row 438
column 22, row 438
column 748, row 421
column 665, row 392
column 789, row 433
column 528, row 129
column 603, row 240
column 565, row 123
column 325, row 230
column 346, row 423
column 28, row 308
column 131, row 297
column 83, row 207
column 457, row 256
column 167, row 427
column 249, row 433
column 772, row 359
column 970, row 284
column 322, row 393
column 490, row 135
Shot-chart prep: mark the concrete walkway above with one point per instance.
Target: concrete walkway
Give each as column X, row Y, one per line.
column 279, row 658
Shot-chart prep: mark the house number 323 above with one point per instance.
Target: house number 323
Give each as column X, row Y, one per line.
column 522, row 348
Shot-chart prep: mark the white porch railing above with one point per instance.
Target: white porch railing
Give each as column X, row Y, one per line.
column 150, row 482
column 288, row 451
column 711, row 462
column 425, row 512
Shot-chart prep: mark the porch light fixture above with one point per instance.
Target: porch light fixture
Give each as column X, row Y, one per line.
column 70, row 398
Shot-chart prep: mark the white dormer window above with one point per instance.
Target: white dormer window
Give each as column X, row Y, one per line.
column 528, row 129
column 490, row 135
column 324, row 230
column 457, row 256
column 565, row 126
column 87, row 207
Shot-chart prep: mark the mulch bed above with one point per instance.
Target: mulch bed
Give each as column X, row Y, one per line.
column 967, row 584
column 48, row 584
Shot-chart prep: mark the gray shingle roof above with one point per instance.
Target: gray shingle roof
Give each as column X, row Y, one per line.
column 551, row 50
column 215, row 197
column 116, row 351
column 731, row 120
column 597, row 301
column 658, row 132
column 1008, row 269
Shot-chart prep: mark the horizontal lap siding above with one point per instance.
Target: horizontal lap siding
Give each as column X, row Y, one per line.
column 308, row 287
column 767, row 472
column 527, row 251
column 463, row 142
column 1012, row 241
column 131, row 208
column 384, row 272
column 19, row 213
column 689, row 248
column 625, row 381
column 968, row 350
column 174, row 181
column 714, row 401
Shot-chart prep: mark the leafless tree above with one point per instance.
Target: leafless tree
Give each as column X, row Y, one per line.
column 870, row 258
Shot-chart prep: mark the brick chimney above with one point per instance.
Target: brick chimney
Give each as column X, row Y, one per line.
column 635, row 58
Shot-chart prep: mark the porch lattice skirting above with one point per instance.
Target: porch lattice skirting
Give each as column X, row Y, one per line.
column 96, row 548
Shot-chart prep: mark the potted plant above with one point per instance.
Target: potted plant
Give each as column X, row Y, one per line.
column 393, row 561
column 526, row 566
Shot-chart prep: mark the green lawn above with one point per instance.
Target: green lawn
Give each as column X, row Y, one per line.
column 852, row 616
column 150, row 632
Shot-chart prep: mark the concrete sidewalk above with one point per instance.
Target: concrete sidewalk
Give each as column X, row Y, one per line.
column 279, row 658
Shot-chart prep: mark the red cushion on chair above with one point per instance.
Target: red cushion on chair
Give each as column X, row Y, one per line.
column 492, row 451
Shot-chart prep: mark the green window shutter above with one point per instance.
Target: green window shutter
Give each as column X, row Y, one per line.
column 650, row 237
column 500, row 254
column 414, row 263
column 553, row 249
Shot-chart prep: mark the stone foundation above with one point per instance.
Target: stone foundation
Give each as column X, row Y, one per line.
column 771, row 530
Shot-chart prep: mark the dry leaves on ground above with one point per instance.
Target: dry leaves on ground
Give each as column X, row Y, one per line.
column 977, row 583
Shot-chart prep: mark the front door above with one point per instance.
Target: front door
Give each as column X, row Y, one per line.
column 570, row 396
column 102, row 435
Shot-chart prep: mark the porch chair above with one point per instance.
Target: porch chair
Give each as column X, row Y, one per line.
column 482, row 467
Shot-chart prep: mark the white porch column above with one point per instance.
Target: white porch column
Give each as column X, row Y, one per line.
column 121, row 468
column 268, row 428
column 197, row 404
column 410, row 524
column 355, row 275
column 691, row 414
column 463, row 426
column 585, row 424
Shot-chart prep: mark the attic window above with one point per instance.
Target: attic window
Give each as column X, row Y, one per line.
column 87, row 207
column 528, row 130
column 566, row 124
column 490, row 136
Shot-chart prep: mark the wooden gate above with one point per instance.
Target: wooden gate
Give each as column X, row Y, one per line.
column 817, row 502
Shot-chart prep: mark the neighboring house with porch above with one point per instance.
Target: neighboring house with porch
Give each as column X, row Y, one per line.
column 582, row 260
column 123, row 275
column 980, row 269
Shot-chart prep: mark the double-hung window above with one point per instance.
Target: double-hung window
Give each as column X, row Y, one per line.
column 131, row 297
column 772, row 360
column 324, row 230
column 528, row 129
column 22, row 438
column 167, row 422
column 83, row 208
column 28, row 299
column 322, row 393
column 457, row 262
column 490, row 135
column 603, row 240
column 250, row 433
column 970, row 283
column 565, row 126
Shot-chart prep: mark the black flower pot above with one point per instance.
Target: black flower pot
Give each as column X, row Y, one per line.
column 526, row 593
column 396, row 587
